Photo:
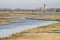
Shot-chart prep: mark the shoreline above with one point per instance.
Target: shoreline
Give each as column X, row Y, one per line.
column 54, row 29
column 27, row 31
column 6, row 22
column 42, row 19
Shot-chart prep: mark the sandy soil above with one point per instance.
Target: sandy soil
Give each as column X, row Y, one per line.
column 35, row 36
column 49, row 32
column 53, row 28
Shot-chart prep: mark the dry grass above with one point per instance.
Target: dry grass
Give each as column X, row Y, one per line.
column 49, row 32
column 32, row 15
column 34, row 36
column 49, row 28
column 54, row 18
column 5, row 21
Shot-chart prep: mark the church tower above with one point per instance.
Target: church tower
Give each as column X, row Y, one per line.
column 44, row 8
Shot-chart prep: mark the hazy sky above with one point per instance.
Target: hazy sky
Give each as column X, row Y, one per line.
column 29, row 3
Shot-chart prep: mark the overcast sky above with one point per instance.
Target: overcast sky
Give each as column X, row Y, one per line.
column 29, row 3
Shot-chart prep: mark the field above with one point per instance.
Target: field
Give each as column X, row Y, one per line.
column 53, row 28
column 33, row 15
column 48, row 32
column 4, row 21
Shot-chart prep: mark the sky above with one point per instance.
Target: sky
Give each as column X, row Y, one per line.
column 29, row 4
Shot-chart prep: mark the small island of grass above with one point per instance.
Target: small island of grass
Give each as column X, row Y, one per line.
column 5, row 22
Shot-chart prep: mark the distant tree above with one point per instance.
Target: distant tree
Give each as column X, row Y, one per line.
column 57, row 10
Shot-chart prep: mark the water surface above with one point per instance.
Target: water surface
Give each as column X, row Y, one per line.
column 7, row 30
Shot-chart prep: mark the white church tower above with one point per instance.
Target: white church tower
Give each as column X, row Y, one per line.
column 44, row 8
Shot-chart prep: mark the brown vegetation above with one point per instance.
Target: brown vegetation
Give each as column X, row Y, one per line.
column 5, row 21
column 49, row 32
column 54, row 28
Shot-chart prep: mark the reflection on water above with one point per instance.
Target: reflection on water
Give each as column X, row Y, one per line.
column 7, row 30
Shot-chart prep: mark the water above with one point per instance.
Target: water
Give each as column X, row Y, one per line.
column 7, row 30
